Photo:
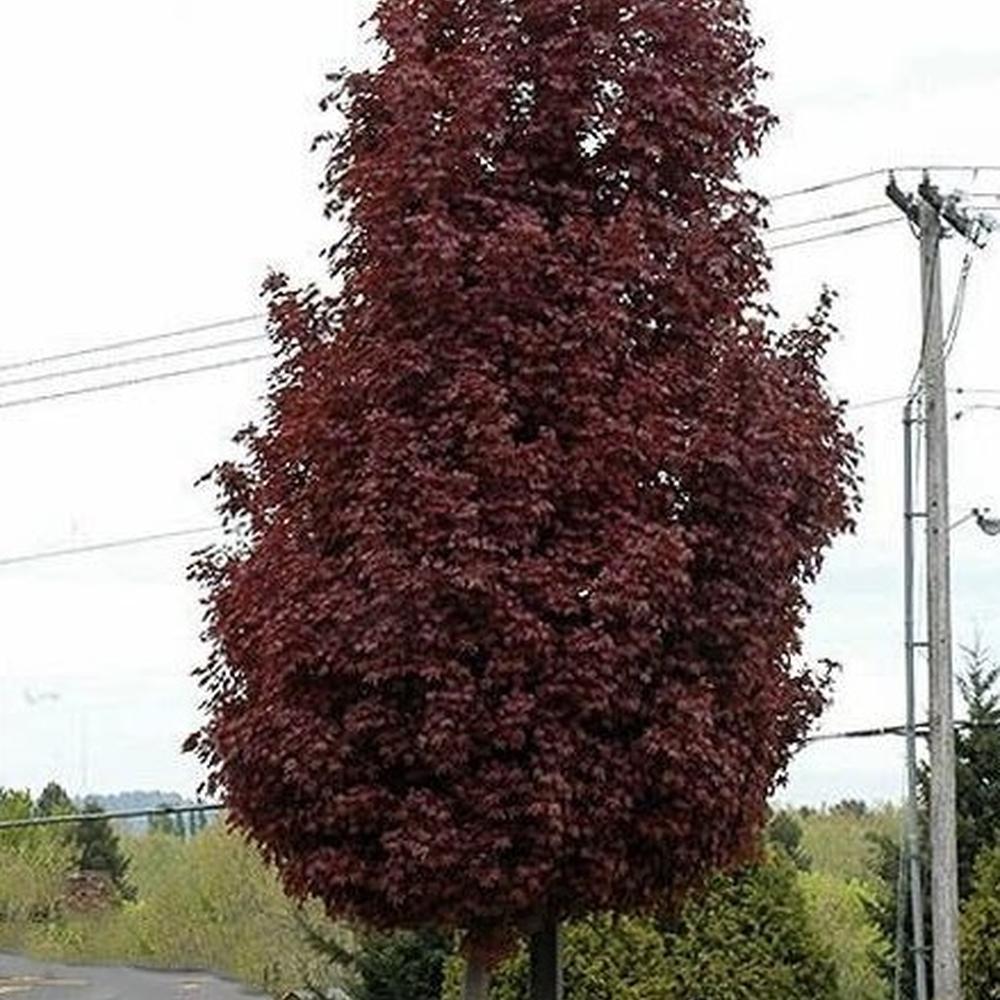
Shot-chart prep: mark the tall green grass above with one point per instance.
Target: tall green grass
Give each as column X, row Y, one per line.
column 207, row 903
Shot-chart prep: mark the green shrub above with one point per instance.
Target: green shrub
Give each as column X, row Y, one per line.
column 981, row 930
column 840, row 913
column 407, row 965
column 749, row 938
column 746, row 937
column 34, row 865
column 33, row 873
column 604, row 958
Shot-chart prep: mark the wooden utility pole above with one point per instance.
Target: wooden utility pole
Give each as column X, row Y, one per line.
column 944, row 844
column 930, row 213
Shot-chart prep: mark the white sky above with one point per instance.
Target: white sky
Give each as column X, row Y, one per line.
column 155, row 165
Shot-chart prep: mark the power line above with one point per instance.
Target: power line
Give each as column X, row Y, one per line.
column 835, row 217
column 28, row 400
column 102, row 546
column 878, row 172
column 157, row 536
column 973, row 409
column 840, row 232
column 923, row 729
column 883, row 401
column 142, row 359
column 45, row 554
column 97, row 817
column 958, row 307
column 836, row 182
column 118, row 344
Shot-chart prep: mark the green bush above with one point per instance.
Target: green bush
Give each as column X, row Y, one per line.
column 33, row 873
column 604, row 958
column 981, row 930
column 408, row 965
column 746, row 937
column 840, row 913
column 34, row 865
column 749, row 938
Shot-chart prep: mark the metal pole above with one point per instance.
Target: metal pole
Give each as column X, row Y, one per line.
column 912, row 828
column 546, row 963
column 944, row 849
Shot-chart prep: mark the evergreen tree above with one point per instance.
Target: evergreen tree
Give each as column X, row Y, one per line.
column 981, row 930
column 977, row 753
column 406, row 965
column 977, row 776
column 54, row 801
column 784, row 832
column 747, row 936
column 99, row 849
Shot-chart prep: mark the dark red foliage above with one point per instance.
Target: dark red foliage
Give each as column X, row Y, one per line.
column 517, row 572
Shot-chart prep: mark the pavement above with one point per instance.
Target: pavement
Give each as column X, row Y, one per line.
column 25, row 979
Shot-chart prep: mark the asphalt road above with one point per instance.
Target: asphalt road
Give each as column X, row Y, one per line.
column 23, row 979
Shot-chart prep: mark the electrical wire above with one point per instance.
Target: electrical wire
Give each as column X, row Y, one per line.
column 922, row 729
column 840, row 232
column 121, row 543
column 115, row 345
column 104, row 386
column 835, row 217
column 97, row 817
column 958, row 307
column 876, row 172
column 973, row 409
column 837, row 182
column 883, row 401
column 215, row 345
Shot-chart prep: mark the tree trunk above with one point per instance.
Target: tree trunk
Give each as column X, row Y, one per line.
column 477, row 980
column 546, row 963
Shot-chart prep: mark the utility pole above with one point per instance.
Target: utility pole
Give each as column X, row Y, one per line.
column 929, row 213
column 944, row 843
column 912, row 826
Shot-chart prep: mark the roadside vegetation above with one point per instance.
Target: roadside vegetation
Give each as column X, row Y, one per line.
column 203, row 898
column 816, row 915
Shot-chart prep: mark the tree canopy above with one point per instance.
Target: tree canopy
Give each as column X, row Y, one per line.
column 505, row 627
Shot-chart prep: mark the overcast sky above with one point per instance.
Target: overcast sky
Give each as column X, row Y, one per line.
column 155, row 164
